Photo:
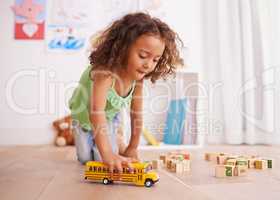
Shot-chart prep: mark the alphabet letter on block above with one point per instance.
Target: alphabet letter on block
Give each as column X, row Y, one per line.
column 168, row 164
column 173, row 166
column 269, row 162
column 261, row 164
column 242, row 162
column 224, row 171
column 229, row 170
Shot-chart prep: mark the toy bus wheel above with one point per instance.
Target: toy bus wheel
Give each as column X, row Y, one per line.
column 149, row 183
column 85, row 177
column 106, row 181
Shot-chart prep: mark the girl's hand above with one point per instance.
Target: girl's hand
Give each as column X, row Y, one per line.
column 131, row 153
column 114, row 161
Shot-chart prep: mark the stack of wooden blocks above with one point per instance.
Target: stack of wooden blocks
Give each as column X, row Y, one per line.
column 175, row 161
column 233, row 165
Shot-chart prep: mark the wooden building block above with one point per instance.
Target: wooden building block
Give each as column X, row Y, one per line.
column 261, row 164
column 269, row 161
column 240, row 170
column 211, row 156
column 207, row 156
column 265, row 164
column 173, row 166
column 186, row 156
column 229, row 170
column 177, row 157
column 179, row 167
column 220, row 171
column 258, row 164
column 242, row 162
column 155, row 164
column 168, row 164
column 231, row 162
column 180, row 157
column 186, row 165
column 163, row 158
column 160, row 163
column 221, row 159
column 251, row 163
column 224, row 171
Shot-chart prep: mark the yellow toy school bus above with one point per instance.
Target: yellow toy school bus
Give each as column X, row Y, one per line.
column 142, row 174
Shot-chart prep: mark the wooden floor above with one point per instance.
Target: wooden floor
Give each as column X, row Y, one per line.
column 46, row 173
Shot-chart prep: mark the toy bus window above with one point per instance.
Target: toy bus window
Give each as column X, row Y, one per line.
column 114, row 171
column 123, row 170
column 90, row 168
column 94, row 169
column 127, row 170
column 148, row 168
column 99, row 169
column 134, row 171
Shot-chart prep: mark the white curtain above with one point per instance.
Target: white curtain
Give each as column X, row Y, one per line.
column 241, row 53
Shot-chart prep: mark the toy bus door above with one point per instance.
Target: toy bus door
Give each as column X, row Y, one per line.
column 140, row 176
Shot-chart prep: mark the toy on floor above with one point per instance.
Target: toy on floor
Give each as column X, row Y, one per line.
column 64, row 131
column 234, row 165
column 176, row 161
column 141, row 175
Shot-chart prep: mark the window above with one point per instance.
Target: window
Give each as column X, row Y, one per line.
column 126, row 170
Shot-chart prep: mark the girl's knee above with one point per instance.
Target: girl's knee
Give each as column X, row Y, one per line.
column 84, row 158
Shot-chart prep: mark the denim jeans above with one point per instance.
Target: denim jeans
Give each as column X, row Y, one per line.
column 86, row 148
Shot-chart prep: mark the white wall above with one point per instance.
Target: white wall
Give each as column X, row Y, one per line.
column 29, row 57
column 35, row 82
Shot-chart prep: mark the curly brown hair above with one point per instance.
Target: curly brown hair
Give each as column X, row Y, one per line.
column 110, row 48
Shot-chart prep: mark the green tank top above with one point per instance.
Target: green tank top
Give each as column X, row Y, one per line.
column 79, row 102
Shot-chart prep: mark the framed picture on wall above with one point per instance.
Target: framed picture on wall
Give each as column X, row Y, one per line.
column 29, row 19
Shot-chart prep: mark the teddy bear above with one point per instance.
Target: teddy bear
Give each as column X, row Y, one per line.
column 64, row 130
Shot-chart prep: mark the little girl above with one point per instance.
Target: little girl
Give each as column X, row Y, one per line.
column 133, row 48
